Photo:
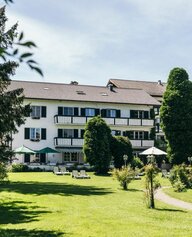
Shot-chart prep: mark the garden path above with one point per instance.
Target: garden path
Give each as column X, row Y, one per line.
column 160, row 195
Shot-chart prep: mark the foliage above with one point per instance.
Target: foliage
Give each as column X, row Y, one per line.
column 124, row 176
column 3, row 172
column 181, row 177
column 19, row 168
column 96, row 148
column 151, row 184
column 121, row 146
column 12, row 44
column 176, row 116
column 137, row 163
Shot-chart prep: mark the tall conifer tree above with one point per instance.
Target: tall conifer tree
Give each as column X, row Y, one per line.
column 176, row 115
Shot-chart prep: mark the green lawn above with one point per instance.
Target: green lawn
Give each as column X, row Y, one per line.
column 42, row 204
column 184, row 196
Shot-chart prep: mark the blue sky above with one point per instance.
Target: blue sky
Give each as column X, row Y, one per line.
column 93, row 41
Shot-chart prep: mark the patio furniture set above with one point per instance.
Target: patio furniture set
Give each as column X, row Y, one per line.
column 75, row 174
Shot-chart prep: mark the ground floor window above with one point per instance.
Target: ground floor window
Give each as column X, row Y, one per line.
column 71, row 156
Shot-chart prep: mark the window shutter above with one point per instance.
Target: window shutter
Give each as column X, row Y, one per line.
column 118, row 113
column 43, row 134
column 75, row 133
column 76, row 111
column 26, row 158
column 146, row 114
column 132, row 114
column 97, row 112
column 60, row 110
column 103, row 113
column 83, row 112
column 60, row 133
column 43, row 111
column 146, row 135
column 27, row 133
column 82, row 133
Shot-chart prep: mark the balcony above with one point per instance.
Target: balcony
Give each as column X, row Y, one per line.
column 78, row 142
column 68, row 142
column 142, row 143
column 77, row 120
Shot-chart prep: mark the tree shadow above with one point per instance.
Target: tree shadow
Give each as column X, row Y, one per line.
column 15, row 212
column 29, row 233
column 170, row 210
column 134, row 190
column 38, row 188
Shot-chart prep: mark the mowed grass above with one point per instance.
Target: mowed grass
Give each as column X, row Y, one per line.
column 42, row 204
column 184, row 196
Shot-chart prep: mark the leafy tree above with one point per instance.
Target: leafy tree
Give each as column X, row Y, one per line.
column 96, row 147
column 12, row 110
column 176, row 116
column 121, row 146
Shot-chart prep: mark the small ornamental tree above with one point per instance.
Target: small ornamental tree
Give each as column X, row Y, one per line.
column 121, row 146
column 176, row 116
column 124, row 176
column 96, row 148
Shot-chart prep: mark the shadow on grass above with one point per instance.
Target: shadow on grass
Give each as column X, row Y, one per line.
column 170, row 210
column 37, row 188
column 28, row 233
column 15, row 212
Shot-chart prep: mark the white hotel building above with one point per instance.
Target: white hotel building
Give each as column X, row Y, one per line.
column 60, row 112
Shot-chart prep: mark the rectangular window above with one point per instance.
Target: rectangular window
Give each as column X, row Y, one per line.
column 74, row 157
column 68, row 133
column 36, row 111
column 111, row 113
column 115, row 132
column 66, row 156
column 68, row 111
column 89, row 112
column 35, row 133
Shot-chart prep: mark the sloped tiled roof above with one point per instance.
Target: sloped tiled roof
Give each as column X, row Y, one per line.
column 57, row 91
column 152, row 88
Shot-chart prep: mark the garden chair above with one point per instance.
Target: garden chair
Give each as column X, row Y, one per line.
column 84, row 175
column 56, row 171
column 64, row 171
column 75, row 174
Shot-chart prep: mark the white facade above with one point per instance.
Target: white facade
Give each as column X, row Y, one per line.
column 70, row 142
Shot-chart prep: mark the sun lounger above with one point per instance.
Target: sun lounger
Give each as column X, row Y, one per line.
column 56, row 171
column 64, row 171
column 84, row 175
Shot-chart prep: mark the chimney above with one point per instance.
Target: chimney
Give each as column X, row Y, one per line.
column 74, row 83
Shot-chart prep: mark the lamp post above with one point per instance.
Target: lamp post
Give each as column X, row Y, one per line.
column 190, row 159
column 151, row 160
column 125, row 158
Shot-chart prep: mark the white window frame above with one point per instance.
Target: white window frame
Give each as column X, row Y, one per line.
column 36, row 111
column 111, row 113
column 68, row 111
column 68, row 133
column 35, row 134
column 89, row 112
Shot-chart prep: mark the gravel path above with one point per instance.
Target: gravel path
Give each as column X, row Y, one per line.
column 160, row 195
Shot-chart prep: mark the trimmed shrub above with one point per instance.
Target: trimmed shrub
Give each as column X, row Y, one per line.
column 137, row 163
column 19, row 168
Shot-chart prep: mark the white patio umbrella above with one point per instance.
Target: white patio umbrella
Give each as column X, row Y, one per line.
column 153, row 151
